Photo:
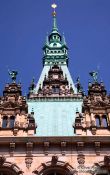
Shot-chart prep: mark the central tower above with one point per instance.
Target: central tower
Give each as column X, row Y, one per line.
column 55, row 99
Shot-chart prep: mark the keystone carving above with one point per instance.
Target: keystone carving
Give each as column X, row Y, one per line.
column 28, row 161
column 54, row 160
column 81, row 159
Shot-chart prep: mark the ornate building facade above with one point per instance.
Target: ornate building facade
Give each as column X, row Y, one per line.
column 56, row 129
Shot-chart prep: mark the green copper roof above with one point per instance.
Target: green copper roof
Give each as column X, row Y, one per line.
column 54, row 29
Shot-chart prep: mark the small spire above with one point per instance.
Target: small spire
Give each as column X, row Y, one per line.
column 54, row 6
column 47, row 39
column 63, row 40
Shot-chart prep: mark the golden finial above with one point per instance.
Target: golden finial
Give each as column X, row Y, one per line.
column 54, row 6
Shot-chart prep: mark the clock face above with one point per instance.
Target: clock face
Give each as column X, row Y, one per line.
column 55, row 76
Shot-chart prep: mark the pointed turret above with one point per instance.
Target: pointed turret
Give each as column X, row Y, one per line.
column 63, row 40
column 47, row 40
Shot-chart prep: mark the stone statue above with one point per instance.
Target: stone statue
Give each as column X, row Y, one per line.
column 94, row 74
column 13, row 75
column 78, row 84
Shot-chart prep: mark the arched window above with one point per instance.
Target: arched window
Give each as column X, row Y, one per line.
column 12, row 121
column 97, row 119
column 104, row 121
column 5, row 122
column 55, row 167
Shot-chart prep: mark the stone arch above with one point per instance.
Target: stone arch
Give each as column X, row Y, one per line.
column 55, row 165
column 9, row 168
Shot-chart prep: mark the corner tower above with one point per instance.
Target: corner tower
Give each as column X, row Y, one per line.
column 55, row 99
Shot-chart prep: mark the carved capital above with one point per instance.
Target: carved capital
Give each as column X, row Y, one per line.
column 63, row 147
column 12, row 148
column 97, row 148
column 80, row 147
column 29, row 147
column 46, row 147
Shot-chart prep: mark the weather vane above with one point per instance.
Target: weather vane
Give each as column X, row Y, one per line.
column 54, row 6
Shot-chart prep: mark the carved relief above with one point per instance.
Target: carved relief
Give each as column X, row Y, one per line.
column 28, row 161
column 81, row 159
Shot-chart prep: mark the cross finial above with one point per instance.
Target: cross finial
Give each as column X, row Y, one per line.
column 54, row 6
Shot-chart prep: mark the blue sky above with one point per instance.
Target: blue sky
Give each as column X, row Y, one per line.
column 23, row 28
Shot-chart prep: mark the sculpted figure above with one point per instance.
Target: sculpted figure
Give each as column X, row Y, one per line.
column 94, row 74
column 13, row 75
